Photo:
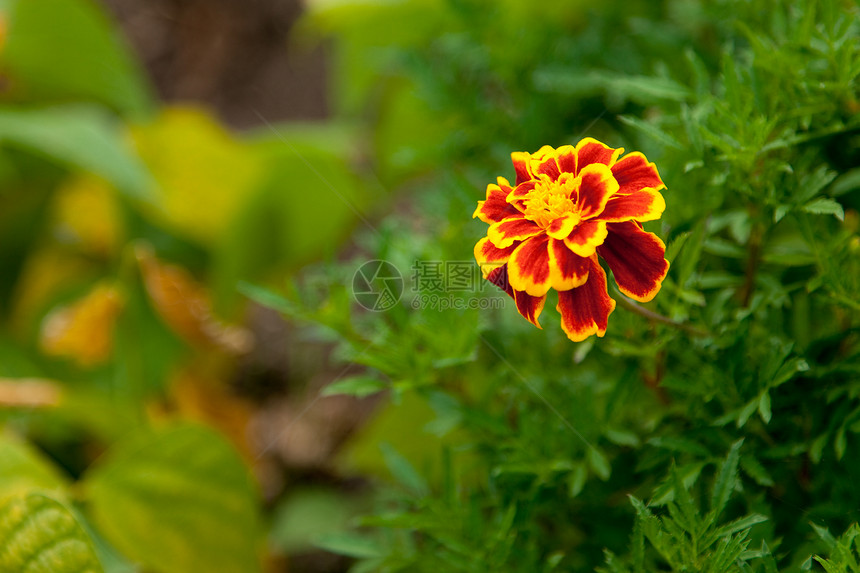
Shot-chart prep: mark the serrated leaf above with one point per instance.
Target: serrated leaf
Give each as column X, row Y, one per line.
column 38, row 534
column 780, row 212
column 727, row 477
column 828, row 566
column 825, row 206
column 650, row 130
column 358, row 386
column 756, row 471
column 178, row 500
column 80, row 137
column 675, row 245
column 824, row 534
column 741, row 524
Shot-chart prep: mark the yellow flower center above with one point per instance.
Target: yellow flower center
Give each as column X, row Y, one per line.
column 551, row 200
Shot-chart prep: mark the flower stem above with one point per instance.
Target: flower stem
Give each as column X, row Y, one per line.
column 656, row 317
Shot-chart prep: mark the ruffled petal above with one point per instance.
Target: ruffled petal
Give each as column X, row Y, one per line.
column 528, row 266
column 496, row 207
column 636, row 260
column 518, row 195
column 567, row 270
column 544, row 163
column 585, row 310
column 490, row 257
column 643, row 205
column 529, row 306
column 505, row 233
column 567, row 159
column 596, row 188
column 561, row 227
column 586, row 237
column 590, row 151
column 499, row 277
column 634, row 173
column 521, row 161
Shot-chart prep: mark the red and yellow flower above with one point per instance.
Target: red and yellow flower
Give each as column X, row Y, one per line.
column 568, row 206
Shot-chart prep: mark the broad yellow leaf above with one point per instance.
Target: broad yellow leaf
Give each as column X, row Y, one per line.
column 83, row 330
column 204, row 173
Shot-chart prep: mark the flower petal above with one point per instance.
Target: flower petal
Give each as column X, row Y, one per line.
column 590, row 151
column 518, row 195
column 634, row 173
column 636, row 260
column 567, row 270
column 567, row 159
column 528, row 267
column 490, row 257
column 597, row 186
column 521, row 161
column 561, row 227
column 544, row 163
column 496, row 207
column 585, row 310
column 643, row 205
column 529, row 306
column 505, row 233
column 586, row 237
column 499, row 277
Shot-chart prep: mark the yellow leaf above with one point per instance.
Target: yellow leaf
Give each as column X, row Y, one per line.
column 86, row 215
column 204, row 173
column 46, row 272
column 184, row 305
column 83, row 330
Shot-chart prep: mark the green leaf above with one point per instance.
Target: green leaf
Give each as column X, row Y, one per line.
column 269, row 298
column 38, row 534
column 764, row 407
column 351, row 545
column 178, row 500
column 740, row 524
column 577, row 479
column 825, row 206
column 68, row 50
column 22, row 467
column 599, row 463
column 403, row 471
column 847, row 182
column 358, row 386
column 80, row 137
column 726, row 479
column 651, row 130
column 306, row 515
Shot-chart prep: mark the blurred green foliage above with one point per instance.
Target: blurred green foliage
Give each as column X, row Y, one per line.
column 721, row 439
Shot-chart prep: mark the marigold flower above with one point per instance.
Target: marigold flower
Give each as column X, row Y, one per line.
column 568, row 206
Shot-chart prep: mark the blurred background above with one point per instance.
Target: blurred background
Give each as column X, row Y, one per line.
column 162, row 161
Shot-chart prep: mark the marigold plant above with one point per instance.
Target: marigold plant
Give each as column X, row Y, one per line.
column 569, row 205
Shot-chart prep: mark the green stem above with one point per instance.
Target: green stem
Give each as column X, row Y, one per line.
column 655, row 317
